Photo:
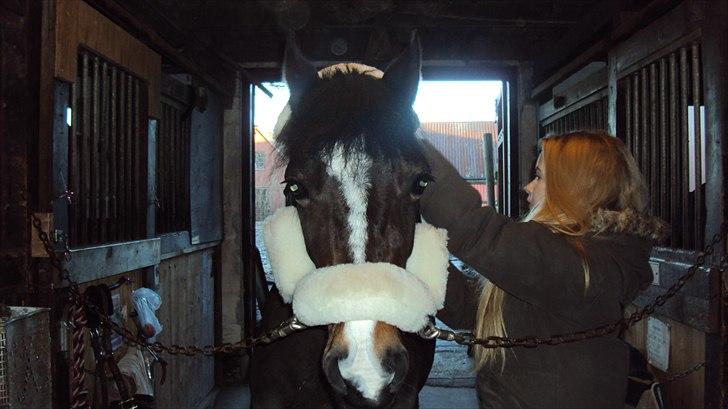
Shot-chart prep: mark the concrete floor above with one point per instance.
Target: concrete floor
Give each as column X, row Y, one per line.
column 431, row 397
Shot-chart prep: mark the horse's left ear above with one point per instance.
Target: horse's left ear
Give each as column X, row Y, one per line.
column 298, row 72
column 403, row 74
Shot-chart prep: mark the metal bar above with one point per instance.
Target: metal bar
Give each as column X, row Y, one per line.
column 628, row 115
column 654, row 140
column 636, row 119
column 85, row 149
column 675, row 238
column 164, row 171
column 95, row 159
column 74, row 171
column 113, row 159
column 489, row 171
column 122, row 181
column 116, row 258
column 105, row 126
column 173, row 180
column 664, row 143
column 698, row 220
column 61, row 101
column 686, row 231
column 187, row 127
column 151, row 165
column 645, row 133
column 180, row 173
column 160, row 168
column 128, row 160
column 139, row 153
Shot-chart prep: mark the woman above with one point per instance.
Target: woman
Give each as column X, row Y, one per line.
column 579, row 255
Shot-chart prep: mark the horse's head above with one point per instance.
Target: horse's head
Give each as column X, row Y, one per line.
column 355, row 172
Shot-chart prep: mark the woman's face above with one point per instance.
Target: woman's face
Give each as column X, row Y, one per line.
column 536, row 189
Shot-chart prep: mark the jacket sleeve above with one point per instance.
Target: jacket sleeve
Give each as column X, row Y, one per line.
column 461, row 299
column 526, row 260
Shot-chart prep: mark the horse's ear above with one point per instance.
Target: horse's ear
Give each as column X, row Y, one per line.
column 298, row 72
column 403, row 74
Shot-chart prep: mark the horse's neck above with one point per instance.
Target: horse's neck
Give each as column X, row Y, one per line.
column 275, row 311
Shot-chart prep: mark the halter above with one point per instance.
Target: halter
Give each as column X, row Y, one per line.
column 403, row 297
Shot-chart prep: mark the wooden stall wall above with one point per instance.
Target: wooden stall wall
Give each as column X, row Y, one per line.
column 180, row 265
column 186, row 287
column 687, row 348
column 671, row 50
column 645, row 93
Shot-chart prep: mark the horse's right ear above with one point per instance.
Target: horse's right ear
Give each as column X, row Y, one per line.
column 298, row 72
column 403, row 74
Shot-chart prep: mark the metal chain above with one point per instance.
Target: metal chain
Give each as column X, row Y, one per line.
column 467, row 338
column 684, row 374
column 77, row 298
column 78, row 320
column 429, row 332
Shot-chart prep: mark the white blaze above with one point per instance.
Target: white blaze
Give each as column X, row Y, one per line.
column 362, row 366
column 353, row 175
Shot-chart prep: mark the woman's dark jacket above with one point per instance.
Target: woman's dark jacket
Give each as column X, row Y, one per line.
column 543, row 277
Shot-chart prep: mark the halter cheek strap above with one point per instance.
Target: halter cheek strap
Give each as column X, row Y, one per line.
column 366, row 291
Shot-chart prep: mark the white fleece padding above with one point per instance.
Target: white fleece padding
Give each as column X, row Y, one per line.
column 286, row 248
column 367, row 291
column 429, row 260
column 361, row 291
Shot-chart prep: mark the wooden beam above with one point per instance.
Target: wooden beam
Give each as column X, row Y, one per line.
column 120, row 15
column 587, row 56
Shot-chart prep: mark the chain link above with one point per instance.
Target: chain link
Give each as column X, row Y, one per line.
column 467, row 338
column 684, row 374
column 429, row 332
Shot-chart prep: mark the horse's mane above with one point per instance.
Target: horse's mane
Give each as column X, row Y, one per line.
column 353, row 111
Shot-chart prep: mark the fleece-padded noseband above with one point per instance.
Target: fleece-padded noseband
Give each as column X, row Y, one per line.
column 365, row 291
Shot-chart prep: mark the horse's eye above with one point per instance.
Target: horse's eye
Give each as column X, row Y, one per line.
column 420, row 184
column 293, row 191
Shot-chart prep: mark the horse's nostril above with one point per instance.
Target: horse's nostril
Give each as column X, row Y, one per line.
column 397, row 361
column 333, row 374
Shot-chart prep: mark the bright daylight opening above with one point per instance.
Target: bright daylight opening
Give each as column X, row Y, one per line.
column 455, row 117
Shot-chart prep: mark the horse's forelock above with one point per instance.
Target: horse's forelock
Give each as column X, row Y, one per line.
column 350, row 110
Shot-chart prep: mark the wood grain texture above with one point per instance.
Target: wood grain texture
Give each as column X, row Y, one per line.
column 186, row 287
column 79, row 25
column 687, row 349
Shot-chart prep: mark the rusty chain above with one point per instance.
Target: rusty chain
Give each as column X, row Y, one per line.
column 76, row 298
column 467, row 338
column 429, row 332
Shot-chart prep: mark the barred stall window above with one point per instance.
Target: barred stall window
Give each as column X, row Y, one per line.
column 591, row 116
column 107, row 153
column 659, row 121
column 173, row 169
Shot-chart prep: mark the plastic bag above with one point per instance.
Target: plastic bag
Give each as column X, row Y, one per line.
column 146, row 301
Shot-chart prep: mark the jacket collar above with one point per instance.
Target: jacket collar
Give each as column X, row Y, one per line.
column 628, row 221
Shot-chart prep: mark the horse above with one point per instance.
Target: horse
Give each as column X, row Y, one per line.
column 355, row 171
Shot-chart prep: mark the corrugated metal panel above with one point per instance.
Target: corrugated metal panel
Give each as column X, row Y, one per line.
column 461, row 143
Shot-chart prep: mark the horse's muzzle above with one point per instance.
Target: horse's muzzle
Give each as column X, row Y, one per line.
column 395, row 362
